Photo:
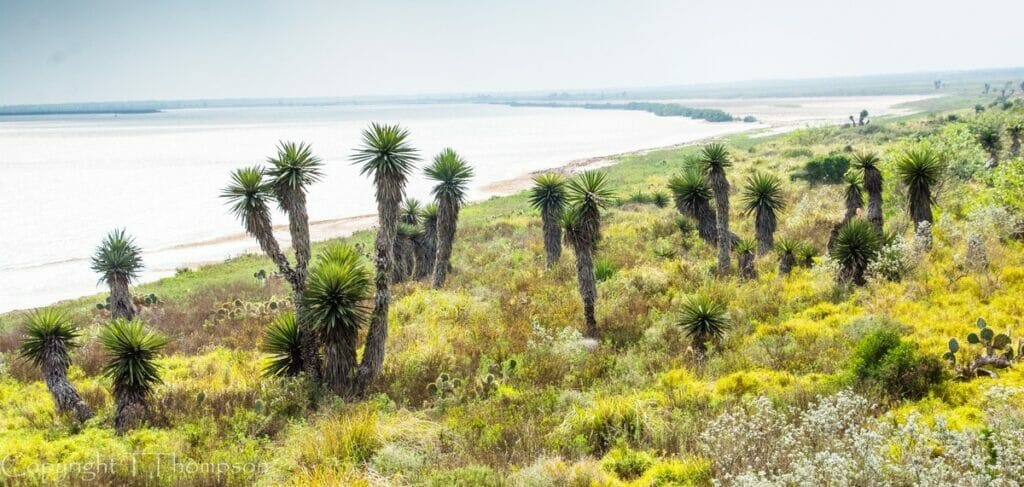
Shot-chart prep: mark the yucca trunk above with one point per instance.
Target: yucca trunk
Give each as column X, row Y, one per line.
column 1015, row 144
column 447, row 218
column 588, row 288
column 259, row 226
column 851, row 273
column 746, row 265
column 873, row 186
column 389, row 197
column 298, row 227
column 720, row 186
column 426, row 249
column 340, row 358
column 55, row 373
column 552, row 235
column 405, row 259
column 703, row 215
column 854, row 201
column 131, row 408
column 786, row 262
column 921, row 207
column 121, row 305
column 764, row 226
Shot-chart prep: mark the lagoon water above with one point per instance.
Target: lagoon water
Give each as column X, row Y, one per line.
column 68, row 180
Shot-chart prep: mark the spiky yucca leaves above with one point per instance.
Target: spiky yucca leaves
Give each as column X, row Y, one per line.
column 692, row 196
column 745, row 258
column 549, row 197
column 855, row 247
column 131, row 366
column 762, row 197
column 335, row 301
column 452, row 174
column 787, row 249
column 920, row 170
column 715, row 159
column 118, row 260
column 405, row 252
column 704, row 319
column 990, row 138
column 249, row 196
column 426, row 242
column 411, row 211
column 291, row 171
column 867, row 163
column 1014, row 130
column 805, row 255
column 588, row 194
column 385, row 155
column 281, row 342
column 854, row 195
column 49, row 337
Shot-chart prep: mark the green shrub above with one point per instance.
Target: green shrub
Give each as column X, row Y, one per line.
column 884, row 361
column 625, row 463
column 828, row 169
column 604, row 269
column 471, row 476
column 678, row 473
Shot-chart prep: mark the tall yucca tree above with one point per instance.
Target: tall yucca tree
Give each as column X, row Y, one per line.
column 920, row 169
column 49, row 337
column 853, row 194
column 588, row 193
column 339, row 286
column 291, row 171
column 692, row 196
column 452, row 174
column 387, row 157
column 131, row 366
column 868, row 164
column 548, row 196
column 762, row 197
column 426, row 242
column 249, row 195
column 715, row 159
column 118, row 260
column 855, row 247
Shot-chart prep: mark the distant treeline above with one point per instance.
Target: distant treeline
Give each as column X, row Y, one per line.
column 659, row 109
column 72, row 111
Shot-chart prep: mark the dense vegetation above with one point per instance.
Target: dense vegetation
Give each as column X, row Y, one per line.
column 824, row 356
column 659, row 109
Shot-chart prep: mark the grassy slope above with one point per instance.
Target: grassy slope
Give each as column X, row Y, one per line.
column 639, row 386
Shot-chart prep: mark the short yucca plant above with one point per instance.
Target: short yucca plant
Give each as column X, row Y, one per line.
column 856, row 245
column 692, row 196
column 49, row 337
column 118, row 261
column 132, row 350
column 410, row 212
column 659, row 199
column 762, row 197
column 745, row 250
column 548, row 196
column 281, row 343
column 704, row 319
column 853, row 193
column 805, row 255
column 787, row 249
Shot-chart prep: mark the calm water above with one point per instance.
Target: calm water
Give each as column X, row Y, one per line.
column 66, row 181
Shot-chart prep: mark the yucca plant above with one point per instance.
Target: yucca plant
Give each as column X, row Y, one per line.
column 990, row 138
column 281, row 343
column 426, row 242
column 787, row 249
column 411, row 211
column 249, row 194
column 715, row 160
column 405, row 251
column 703, row 319
column 854, row 195
column 118, row 261
column 549, row 198
column 588, row 194
column 692, row 196
column 291, row 172
column 385, row 155
column 659, row 199
column 855, row 247
column 920, row 170
column 762, row 197
column 868, row 165
column 131, row 366
column 805, row 255
column 49, row 337
column 745, row 258
column 339, row 287
column 1014, row 130
column 452, row 175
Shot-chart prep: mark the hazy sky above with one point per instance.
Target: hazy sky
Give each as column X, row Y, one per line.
column 77, row 50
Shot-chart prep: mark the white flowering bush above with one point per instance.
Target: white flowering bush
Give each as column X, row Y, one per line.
column 893, row 262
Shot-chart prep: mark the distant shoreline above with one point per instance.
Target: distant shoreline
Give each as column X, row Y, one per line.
column 36, row 113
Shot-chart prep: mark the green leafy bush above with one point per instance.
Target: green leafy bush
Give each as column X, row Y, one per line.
column 625, row 463
column 604, row 269
column 827, row 169
column 883, row 360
